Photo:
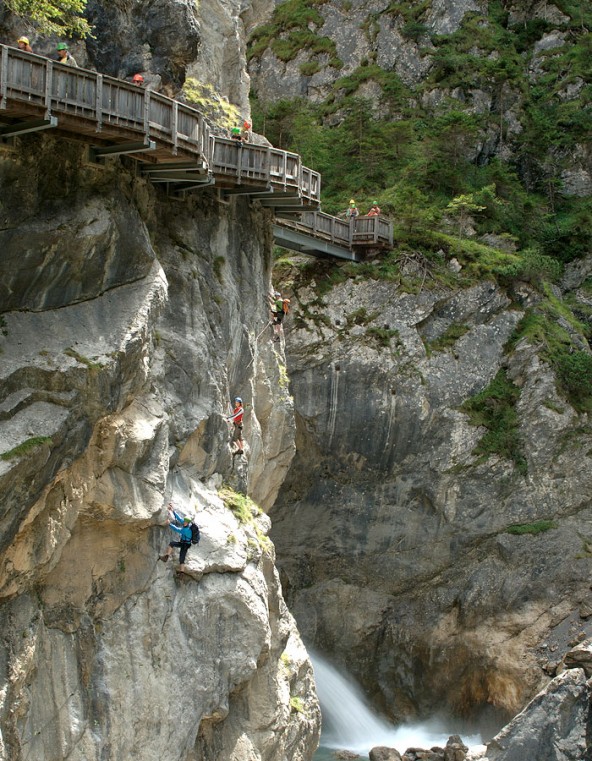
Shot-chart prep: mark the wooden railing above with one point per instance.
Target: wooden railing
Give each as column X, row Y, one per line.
column 39, row 93
column 93, row 104
column 364, row 232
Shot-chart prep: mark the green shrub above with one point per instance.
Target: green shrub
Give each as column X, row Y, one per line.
column 495, row 409
column 25, row 447
column 537, row 527
column 574, row 373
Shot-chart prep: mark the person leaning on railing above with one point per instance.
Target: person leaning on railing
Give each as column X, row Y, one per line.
column 24, row 44
column 64, row 55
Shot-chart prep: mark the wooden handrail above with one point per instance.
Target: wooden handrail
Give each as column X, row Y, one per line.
column 97, row 106
column 113, row 108
column 364, row 232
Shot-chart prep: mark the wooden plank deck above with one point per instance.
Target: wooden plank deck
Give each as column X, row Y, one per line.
column 172, row 140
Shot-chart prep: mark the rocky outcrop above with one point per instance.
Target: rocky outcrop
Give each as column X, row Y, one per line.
column 555, row 724
column 128, row 322
column 394, row 536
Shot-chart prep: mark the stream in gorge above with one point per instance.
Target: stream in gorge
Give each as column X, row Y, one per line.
column 349, row 723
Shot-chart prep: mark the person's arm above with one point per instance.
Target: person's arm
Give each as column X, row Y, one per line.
column 178, row 529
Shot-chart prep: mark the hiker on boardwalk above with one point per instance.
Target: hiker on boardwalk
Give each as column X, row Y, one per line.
column 236, row 418
column 184, row 527
column 246, row 132
column 24, row 44
column 352, row 211
column 64, row 55
column 236, row 134
column 374, row 210
column 279, row 309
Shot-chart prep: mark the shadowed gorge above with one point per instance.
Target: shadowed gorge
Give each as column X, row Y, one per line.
column 412, row 497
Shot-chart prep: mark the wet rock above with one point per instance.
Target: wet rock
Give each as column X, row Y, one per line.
column 381, row 753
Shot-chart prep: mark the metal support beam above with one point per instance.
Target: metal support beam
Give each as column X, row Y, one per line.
column 308, row 244
column 199, row 186
column 246, row 190
column 281, row 202
column 34, row 125
column 122, row 148
column 179, row 176
column 174, row 166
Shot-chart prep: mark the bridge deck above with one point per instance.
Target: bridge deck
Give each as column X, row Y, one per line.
column 174, row 144
column 321, row 234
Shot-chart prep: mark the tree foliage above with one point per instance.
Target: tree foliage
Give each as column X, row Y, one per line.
column 53, row 17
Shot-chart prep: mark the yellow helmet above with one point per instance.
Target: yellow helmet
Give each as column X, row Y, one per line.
column 25, row 40
column 352, row 202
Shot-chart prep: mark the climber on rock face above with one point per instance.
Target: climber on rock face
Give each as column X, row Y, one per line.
column 186, row 537
column 279, row 309
column 236, row 419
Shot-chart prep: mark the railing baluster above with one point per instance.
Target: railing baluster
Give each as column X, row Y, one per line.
column 48, row 87
column 4, row 77
column 174, row 120
column 99, row 103
column 146, row 115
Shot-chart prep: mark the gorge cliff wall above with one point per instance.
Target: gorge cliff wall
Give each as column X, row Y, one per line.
column 397, row 538
column 128, row 323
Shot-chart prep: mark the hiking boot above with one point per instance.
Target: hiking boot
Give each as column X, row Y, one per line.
column 164, row 558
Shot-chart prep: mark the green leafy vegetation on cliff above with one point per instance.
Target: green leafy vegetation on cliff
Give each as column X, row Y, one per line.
column 470, row 163
column 560, row 336
column 537, row 527
column 59, row 17
column 495, row 409
column 25, row 447
column 429, row 153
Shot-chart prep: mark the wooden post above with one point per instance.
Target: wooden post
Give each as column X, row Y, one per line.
column 174, row 122
column 146, row 115
column 4, row 77
column 99, row 102
column 48, row 84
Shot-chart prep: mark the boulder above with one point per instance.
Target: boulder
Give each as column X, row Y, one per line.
column 381, row 753
column 553, row 725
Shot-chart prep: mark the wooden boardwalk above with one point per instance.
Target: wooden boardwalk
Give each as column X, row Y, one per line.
column 173, row 144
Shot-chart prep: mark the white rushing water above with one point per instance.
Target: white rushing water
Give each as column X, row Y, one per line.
column 350, row 724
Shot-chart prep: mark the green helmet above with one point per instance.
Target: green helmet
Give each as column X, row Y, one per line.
column 61, row 46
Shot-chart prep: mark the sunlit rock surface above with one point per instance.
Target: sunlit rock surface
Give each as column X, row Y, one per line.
column 129, row 322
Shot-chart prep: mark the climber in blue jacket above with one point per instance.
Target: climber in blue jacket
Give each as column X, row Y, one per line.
column 185, row 532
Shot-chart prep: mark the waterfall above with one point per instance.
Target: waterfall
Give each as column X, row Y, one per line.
column 349, row 723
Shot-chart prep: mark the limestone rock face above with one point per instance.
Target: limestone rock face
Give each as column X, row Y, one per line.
column 392, row 533
column 128, row 323
column 552, row 726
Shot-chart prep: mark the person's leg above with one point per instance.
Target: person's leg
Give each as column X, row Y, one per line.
column 169, row 551
column 237, row 438
column 182, row 556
